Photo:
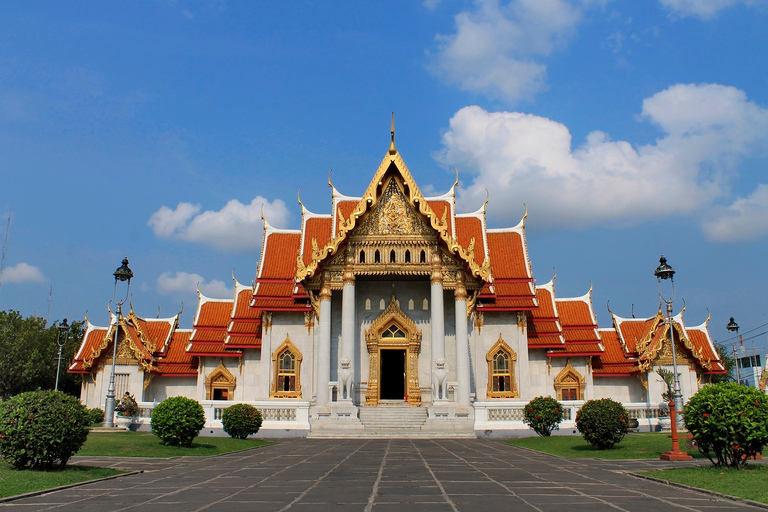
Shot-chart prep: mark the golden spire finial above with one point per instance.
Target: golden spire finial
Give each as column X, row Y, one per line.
column 392, row 148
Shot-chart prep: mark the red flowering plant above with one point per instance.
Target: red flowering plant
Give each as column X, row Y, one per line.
column 241, row 420
column 729, row 422
column 603, row 423
column 543, row 414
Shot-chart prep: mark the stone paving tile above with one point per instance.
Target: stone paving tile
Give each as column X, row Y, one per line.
column 378, row 475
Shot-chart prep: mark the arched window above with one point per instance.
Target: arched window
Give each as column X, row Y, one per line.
column 423, row 257
column 287, row 365
column 501, row 371
column 407, row 256
column 377, row 257
column 220, row 384
column 362, row 256
column 392, row 256
column 569, row 384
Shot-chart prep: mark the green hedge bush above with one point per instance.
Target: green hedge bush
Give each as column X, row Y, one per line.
column 603, row 423
column 96, row 415
column 543, row 414
column 41, row 430
column 177, row 421
column 729, row 422
column 241, row 420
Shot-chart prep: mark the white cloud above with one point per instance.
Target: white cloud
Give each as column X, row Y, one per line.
column 22, row 273
column 186, row 284
column 745, row 219
column 236, row 227
column 707, row 130
column 705, row 9
column 497, row 49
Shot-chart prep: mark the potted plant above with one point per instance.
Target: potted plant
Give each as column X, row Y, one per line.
column 665, row 420
column 126, row 409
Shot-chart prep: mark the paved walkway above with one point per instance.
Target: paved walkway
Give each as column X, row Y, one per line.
column 377, row 475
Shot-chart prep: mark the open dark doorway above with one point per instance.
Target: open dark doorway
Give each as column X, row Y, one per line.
column 392, row 374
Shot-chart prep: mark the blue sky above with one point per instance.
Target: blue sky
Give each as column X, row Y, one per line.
column 158, row 129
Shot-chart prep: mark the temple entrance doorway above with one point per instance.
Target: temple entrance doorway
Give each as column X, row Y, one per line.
column 393, row 374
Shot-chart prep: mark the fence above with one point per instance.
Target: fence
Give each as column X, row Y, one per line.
column 277, row 414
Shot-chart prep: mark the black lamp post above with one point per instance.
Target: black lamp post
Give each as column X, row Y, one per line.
column 122, row 274
column 62, row 328
column 664, row 272
column 734, row 327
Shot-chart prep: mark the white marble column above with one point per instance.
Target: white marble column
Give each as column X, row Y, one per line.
column 347, row 349
column 437, row 320
column 462, row 342
column 324, row 346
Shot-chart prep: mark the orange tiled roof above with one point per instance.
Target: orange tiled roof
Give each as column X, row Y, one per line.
column 507, row 254
column 578, row 349
column 212, row 349
column 439, row 207
column 318, row 228
column 279, row 259
column 213, row 313
column 346, row 208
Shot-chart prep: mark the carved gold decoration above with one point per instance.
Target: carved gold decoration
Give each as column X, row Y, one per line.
column 510, row 357
column 309, row 321
column 479, row 321
column 763, row 380
column 220, row 378
column 644, row 380
column 266, row 321
column 460, row 292
column 374, row 341
column 396, row 219
column 522, row 320
column 275, row 391
column 569, row 378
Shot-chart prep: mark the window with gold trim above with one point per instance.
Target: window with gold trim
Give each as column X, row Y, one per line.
column 501, row 371
column 569, row 383
column 287, row 371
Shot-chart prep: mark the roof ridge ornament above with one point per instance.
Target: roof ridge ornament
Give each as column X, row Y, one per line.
column 392, row 148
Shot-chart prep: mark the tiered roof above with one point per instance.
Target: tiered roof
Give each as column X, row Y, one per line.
column 157, row 345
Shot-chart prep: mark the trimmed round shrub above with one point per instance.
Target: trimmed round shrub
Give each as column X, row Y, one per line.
column 543, row 414
column 177, row 421
column 41, row 430
column 603, row 423
column 96, row 415
column 729, row 422
column 241, row 420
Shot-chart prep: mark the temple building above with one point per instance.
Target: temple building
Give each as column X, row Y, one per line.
column 394, row 314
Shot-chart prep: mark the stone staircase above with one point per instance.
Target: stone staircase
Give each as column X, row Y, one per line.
column 393, row 419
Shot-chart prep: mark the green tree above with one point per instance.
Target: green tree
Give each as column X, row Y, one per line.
column 28, row 355
column 726, row 356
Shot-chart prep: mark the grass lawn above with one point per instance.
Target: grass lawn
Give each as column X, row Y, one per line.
column 633, row 446
column 13, row 482
column 139, row 444
column 750, row 483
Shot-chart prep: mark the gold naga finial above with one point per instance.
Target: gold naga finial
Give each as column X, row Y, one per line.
column 590, row 287
column 708, row 316
column 392, row 148
column 608, row 307
column 262, row 213
column 456, row 182
column 329, row 178
column 487, row 199
column 554, row 274
column 182, row 308
column 300, row 203
column 158, row 312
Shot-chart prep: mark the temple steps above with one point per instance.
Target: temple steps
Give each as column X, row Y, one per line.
column 394, row 418
column 398, row 421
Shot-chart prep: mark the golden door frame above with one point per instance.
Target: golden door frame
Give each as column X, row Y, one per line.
column 411, row 343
